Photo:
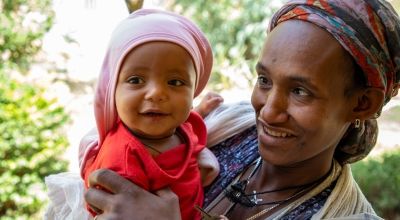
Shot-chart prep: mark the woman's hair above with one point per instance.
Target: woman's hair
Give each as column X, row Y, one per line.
column 357, row 80
column 357, row 142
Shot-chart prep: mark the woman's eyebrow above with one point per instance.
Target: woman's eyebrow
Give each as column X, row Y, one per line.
column 260, row 67
column 304, row 80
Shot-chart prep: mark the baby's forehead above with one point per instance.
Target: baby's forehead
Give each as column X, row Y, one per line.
column 148, row 25
column 159, row 56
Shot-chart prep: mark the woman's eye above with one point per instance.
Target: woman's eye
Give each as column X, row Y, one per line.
column 301, row 92
column 263, row 82
column 135, row 80
column 175, row 82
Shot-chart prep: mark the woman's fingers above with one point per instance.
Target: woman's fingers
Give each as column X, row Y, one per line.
column 111, row 181
column 97, row 199
column 118, row 198
column 167, row 195
column 170, row 206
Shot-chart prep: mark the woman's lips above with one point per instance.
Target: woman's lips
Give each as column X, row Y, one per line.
column 275, row 137
column 275, row 131
column 278, row 134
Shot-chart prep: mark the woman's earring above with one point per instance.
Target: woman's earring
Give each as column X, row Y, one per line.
column 357, row 123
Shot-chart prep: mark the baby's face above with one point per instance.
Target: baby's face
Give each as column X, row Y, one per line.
column 155, row 89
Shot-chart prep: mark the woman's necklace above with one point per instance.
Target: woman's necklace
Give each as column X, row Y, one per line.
column 266, row 210
column 262, row 212
column 236, row 192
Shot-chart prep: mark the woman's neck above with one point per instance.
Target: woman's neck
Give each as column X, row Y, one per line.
column 272, row 177
column 268, row 186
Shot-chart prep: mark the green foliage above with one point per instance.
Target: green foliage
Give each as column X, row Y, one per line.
column 379, row 179
column 22, row 26
column 31, row 146
column 236, row 30
column 31, row 126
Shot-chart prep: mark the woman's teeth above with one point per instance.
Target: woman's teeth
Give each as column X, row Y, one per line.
column 276, row 133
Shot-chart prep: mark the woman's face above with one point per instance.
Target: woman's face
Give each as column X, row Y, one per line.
column 299, row 100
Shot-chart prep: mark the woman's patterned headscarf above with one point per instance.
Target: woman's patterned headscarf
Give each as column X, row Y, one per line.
column 369, row 30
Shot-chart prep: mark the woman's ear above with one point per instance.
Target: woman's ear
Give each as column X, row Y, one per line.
column 369, row 102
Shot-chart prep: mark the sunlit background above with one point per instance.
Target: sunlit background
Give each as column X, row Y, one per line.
column 68, row 65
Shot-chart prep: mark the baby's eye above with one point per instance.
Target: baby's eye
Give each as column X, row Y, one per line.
column 175, row 82
column 263, row 82
column 135, row 80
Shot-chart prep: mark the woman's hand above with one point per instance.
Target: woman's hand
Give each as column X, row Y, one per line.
column 125, row 200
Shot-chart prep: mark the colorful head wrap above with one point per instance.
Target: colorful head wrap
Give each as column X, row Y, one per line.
column 142, row 26
column 368, row 29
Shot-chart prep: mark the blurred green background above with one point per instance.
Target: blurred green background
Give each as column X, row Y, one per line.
column 34, row 120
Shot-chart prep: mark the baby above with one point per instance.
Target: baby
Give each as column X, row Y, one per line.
column 157, row 62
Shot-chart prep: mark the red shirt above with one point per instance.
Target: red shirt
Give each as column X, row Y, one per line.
column 176, row 168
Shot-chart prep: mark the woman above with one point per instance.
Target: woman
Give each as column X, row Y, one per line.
column 326, row 70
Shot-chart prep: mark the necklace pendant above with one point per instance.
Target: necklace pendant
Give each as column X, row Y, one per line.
column 238, row 195
column 255, row 200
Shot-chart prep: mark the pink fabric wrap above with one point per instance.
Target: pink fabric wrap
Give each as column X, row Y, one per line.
column 144, row 25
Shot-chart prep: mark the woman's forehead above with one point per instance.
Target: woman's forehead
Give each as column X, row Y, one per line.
column 304, row 41
column 299, row 47
column 301, row 35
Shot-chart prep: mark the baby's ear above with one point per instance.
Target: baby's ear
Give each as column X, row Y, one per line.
column 369, row 102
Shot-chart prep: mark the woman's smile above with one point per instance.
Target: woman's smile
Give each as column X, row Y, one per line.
column 276, row 134
column 275, row 139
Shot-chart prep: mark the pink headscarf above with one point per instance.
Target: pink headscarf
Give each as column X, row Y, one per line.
column 144, row 25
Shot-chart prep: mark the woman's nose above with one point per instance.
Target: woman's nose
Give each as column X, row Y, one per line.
column 275, row 107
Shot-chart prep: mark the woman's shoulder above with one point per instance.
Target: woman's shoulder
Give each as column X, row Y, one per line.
column 364, row 216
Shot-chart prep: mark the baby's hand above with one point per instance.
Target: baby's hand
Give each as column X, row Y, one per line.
column 210, row 101
column 208, row 165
